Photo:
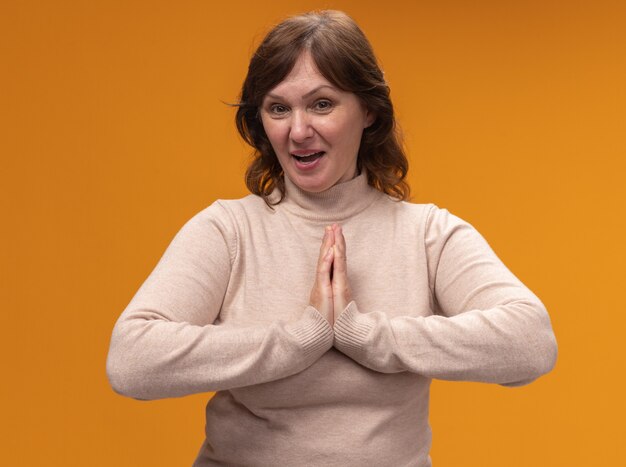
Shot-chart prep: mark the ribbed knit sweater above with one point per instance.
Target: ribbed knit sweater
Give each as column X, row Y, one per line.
column 226, row 309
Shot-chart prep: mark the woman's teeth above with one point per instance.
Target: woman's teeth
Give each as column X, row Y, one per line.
column 310, row 158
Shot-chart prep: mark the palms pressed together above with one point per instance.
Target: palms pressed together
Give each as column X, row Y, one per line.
column 330, row 294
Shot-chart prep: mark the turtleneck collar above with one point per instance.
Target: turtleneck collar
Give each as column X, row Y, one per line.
column 338, row 203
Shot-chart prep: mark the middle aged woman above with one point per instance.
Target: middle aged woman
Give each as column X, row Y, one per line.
column 321, row 306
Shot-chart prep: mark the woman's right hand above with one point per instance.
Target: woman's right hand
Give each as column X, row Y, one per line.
column 322, row 292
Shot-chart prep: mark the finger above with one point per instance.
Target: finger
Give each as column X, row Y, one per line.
column 340, row 262
column 327, row 242
column 322, row 292
column 324, row 267
column 341, row 287
column 338, row 236
column 330, row 236
column 325, row 263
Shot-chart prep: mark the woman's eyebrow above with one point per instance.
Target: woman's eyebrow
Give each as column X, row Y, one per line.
column 311, row 92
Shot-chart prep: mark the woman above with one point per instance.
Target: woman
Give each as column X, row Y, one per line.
column 321, row 306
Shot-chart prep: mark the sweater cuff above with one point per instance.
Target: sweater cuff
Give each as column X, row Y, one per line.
column 313, row 333
column 351, row 331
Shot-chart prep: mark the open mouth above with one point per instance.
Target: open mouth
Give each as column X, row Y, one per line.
column 308, row 159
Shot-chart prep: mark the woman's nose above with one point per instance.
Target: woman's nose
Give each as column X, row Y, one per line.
column 301, row 128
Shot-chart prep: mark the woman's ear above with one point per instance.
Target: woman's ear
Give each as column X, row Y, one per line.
column 370, row 118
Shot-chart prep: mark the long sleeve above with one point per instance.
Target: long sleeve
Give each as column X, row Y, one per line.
column 487, row 327
column 167, row 342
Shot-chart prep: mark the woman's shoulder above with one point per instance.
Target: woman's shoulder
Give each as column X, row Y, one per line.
column 223, row 218
column 433, row 220
column 409, row 210
column 431, row 212
column 248, row 206
column 225, row 206
column 229, row 213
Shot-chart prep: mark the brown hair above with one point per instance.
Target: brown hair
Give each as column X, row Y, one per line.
column 344, row 56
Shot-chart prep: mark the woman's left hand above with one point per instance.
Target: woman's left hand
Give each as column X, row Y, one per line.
column 341, row 287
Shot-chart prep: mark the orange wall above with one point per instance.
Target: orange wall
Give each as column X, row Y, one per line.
column 113, row 133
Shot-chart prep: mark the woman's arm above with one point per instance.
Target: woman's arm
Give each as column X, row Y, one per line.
column 165, row 343
column 489, row 326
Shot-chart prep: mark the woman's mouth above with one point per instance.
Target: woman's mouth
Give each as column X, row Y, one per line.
column 304, row 161
column 308, row 159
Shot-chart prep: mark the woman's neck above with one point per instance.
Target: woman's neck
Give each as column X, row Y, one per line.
column 339, row 202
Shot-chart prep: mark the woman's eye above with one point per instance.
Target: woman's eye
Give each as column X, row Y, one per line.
column 323, row 105
column 278, row 109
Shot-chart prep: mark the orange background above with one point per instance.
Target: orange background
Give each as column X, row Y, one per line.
column 113, row 133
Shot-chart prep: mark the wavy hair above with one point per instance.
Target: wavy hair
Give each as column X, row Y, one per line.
column 344, row 57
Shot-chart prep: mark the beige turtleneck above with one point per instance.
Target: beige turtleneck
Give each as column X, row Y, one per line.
column 226, row 309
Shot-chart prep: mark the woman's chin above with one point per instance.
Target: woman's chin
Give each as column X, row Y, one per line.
column 315, row 183
column 312, row 186
column 309, row 182
column 321, row 178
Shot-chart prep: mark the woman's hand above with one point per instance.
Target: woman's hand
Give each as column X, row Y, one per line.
column 341, row 288
column 330, row 294
column 322, row 293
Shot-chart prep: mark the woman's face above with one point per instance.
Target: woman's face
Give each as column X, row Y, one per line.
column 314, row 127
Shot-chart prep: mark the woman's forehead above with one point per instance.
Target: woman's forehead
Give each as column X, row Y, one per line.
column 303, row 80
